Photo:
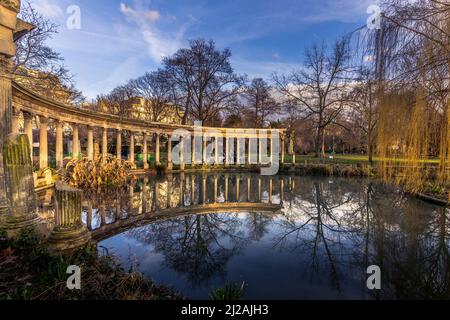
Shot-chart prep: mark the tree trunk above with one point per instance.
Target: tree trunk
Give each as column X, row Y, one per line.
column 319, row 140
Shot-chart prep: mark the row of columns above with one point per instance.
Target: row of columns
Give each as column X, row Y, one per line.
column 238, row 156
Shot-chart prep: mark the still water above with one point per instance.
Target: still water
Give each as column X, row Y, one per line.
column 284, row 237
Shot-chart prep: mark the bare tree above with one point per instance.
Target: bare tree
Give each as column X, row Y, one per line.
column 155, row 88
column 38, row 65
column 364, row 111
column 320, row 90
column 260, row 103
column 202, row 79
column 117, row 102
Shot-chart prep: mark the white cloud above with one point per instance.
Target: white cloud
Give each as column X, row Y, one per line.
column 160, row 43
column 48, row 8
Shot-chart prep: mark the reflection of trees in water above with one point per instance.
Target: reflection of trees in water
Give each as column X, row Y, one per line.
column 197, row 245
column 371, row 224
column 312, row 227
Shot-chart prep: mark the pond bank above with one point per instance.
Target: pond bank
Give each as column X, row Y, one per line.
column 28, row 271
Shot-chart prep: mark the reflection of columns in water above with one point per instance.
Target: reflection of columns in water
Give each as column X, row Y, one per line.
column 103, row 214
column 204, row 190
column 182, row 185
column 249, row 183
column 144, row 195
column 169, row 187
column 156, row 196
column 192, row 190
column 259, row 188
column 215, row 188
column 89, row 215
column 226, row 188
column 238, row 181
column 270, row 189
column 117, row 218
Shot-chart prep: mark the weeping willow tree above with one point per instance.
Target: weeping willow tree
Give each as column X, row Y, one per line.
column 411, row 67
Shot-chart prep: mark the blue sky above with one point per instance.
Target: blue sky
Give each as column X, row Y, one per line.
column 121, row 39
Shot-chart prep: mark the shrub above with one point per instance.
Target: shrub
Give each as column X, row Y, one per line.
column 97, row 174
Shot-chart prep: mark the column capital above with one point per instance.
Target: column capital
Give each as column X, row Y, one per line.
column 27, row 115
column 43, row 119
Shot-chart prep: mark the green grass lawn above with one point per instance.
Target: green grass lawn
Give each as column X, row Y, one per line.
column 346, row 159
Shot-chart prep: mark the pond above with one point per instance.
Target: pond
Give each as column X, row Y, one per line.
column 284, row 237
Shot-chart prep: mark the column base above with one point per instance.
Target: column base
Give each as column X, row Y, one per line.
column 13, row 224
column 170, row 166
column 68, row 239
column 182, row 167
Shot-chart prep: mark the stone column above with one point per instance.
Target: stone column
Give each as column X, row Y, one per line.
column 250, row 149
column 59, row 145
column 43, row 143
column 204, row 151
column 19, row 184
column 193, row 151
column 216, row 150
column 131, row 151
column 169, row 153
column 8, row 22
column 282, row 149
column 119, row 144
column 145, row 150
column 75, row 142
column 15, row 120
column 271, row 149
column 227, row 151
column 90, row 143
column 69, row 232
column 238, row 151
column 157, row 150
column 104, row 144
column 28, row 130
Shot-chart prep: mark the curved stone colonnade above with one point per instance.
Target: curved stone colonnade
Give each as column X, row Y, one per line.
column 239, row 143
